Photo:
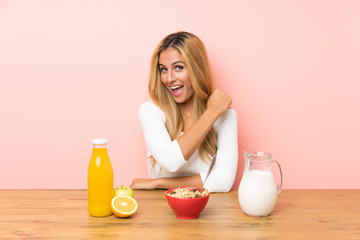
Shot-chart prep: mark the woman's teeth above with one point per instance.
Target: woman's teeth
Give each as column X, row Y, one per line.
column 173, row 88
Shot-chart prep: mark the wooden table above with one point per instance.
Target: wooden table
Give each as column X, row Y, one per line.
column 62, row 214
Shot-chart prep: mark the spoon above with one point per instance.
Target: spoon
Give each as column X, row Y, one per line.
column 212, row 163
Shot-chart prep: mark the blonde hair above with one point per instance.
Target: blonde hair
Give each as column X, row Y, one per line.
column 194, row 54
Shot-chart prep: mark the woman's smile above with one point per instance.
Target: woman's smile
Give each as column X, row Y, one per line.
column 177, row 90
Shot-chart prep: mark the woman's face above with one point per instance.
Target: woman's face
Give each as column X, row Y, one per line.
column 175, row 76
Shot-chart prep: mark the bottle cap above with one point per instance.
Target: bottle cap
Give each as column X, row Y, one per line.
column 99, row 141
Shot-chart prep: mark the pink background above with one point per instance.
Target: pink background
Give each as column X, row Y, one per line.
column 71, row 71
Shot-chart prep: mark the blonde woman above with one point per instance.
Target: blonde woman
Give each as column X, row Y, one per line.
column 187, row 122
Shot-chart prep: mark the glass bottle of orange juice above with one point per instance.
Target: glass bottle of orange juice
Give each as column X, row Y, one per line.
column 100, row 180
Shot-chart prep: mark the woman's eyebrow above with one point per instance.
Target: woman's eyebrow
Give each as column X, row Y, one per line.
column 174, row 63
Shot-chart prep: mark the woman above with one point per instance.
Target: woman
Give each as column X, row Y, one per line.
column 187, row 122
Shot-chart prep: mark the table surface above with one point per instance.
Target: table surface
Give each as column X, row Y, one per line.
column 62, row 214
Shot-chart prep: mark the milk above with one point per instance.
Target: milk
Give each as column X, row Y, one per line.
column 257, row 193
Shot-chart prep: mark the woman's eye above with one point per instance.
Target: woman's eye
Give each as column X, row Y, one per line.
column 179, row 68
column 163, row 69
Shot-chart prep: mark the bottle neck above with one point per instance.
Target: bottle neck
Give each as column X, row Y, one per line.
column 99, row 145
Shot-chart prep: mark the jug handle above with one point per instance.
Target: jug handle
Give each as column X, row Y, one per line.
column 281, row 175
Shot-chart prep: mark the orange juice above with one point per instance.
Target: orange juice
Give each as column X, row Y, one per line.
column 100, row 180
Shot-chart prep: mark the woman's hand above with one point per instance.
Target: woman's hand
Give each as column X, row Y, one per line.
column 218, row 102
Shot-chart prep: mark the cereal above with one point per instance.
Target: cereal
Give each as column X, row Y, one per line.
column 188, row 193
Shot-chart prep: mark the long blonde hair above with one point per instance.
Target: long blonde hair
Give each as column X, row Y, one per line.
column 194, row 54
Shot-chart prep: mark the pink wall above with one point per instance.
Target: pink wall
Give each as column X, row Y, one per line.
column 71, row 71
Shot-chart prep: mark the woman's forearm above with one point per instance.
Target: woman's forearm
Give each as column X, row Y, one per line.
column 191, row 139
column 217, row 104
column 167, row 183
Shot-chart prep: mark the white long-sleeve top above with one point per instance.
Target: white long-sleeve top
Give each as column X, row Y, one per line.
column 170, row 161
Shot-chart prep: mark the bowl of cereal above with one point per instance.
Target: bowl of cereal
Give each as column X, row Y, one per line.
column 187, row 202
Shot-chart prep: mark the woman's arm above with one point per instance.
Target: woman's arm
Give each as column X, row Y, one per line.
column 223, row 175
column 159, row 144
column 173, row 154
column 167, row 183
column 218, row 103
column 169, row 154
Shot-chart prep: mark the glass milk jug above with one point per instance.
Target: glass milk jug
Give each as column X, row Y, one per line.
column 100, row 180
column 257, row 189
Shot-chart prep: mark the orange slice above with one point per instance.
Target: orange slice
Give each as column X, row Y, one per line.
column 123, row 206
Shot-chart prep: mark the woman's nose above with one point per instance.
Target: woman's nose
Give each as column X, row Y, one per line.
column 170, row 77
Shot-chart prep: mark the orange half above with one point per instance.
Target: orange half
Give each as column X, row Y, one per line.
column 123, row 206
